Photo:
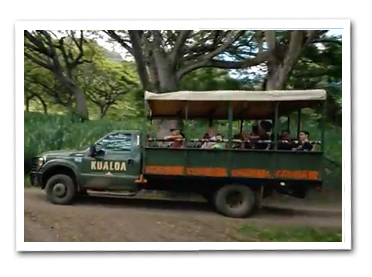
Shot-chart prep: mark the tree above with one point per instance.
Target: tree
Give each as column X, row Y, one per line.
column 106, row 83
column 40, row 84
column 320, row 66
column 163, row 58
column 61, row 56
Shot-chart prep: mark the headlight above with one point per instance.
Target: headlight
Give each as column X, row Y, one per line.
column 41, row 161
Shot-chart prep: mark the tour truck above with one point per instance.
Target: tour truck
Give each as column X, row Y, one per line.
column 234, row 179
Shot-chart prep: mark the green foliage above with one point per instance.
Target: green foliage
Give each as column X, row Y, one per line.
column 290, row 234
column 209, row 79
column 110, row 86
column 54, row 132
column 320, row 66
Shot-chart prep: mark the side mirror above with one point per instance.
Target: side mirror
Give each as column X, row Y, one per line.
column 92, row 150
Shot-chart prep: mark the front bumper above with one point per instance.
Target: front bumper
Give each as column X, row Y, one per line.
column 35, row 178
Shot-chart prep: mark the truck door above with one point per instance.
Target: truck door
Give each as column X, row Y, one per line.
column 118, row 164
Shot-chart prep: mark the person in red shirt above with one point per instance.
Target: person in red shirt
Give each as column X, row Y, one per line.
column 176, row 137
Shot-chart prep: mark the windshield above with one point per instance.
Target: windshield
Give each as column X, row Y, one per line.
column 116, row 142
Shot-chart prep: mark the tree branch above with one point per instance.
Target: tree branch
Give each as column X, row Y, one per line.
column 79, row 45
column 38, row 62
column 260, row 58
column 135, row 39
column 311, row 35
column 177, row 49
column 206, row 60
column 117, row 38
column 270, row 39
column 327, row 40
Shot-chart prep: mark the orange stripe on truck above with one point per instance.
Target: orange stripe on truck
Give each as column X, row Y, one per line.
column 240, row 172
column 297, row 174
column 164, row 170
column 207, row 171
column 250, row 173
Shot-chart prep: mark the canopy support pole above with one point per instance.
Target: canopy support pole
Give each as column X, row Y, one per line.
column 229, row 135
column 276, row 129
column 322, row 127
column 184, row 143
column 299, row 123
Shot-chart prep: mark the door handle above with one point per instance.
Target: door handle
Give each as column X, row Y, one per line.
column 130, row 162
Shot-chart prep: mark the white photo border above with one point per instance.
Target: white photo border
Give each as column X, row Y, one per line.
column 261, row 24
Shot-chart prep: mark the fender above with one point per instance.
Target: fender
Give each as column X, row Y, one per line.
column 65, row 163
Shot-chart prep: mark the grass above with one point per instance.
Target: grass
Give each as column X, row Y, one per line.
column 290, row 234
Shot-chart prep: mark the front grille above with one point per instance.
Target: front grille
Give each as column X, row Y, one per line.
column 34, row 164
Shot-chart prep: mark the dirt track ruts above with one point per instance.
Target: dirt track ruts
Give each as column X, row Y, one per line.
column 97, row 218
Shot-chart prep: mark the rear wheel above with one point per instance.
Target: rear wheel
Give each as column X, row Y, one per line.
column 235, row 201
column 60, row 189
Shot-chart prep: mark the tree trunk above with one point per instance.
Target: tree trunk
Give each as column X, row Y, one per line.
column 104, row 110
column 274, row 80
column 45, row 107
column 27, row 104
column 81, row 103
column 167, row 83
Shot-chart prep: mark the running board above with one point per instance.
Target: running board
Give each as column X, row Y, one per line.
column 104, row 193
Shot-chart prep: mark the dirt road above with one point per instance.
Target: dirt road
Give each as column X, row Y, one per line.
column 97, row 218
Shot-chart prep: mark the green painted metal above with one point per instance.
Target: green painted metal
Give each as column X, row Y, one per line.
column 277, row 125
column 229, row 144
column 322, row 127
column 230, row 118
column 251, row 159
column 144, row 140
column 299, row 123
column 185, row 132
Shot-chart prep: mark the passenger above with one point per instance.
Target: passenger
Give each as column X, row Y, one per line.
column 208, row 144
column 254, row 134
column 264, row 132
column 219, row 144
column 236, row 144
column 206, row 136
column 285, row 141
column 176, row 137
column 304, row 144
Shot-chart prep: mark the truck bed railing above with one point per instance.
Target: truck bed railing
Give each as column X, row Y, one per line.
column 316, row 142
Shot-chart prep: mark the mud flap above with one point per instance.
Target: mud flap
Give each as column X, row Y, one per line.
column 259, row 197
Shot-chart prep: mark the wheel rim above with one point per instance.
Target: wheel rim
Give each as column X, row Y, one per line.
column 59, row 190
column 234, row 199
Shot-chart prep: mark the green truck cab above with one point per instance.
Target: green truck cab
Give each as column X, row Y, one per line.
column 233, row 179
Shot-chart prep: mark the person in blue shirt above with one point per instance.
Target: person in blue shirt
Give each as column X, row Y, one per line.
column 304, row 144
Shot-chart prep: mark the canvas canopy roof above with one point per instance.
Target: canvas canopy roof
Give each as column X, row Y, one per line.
column 246, row 104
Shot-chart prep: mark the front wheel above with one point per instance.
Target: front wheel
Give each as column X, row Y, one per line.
column 235, row 201
column 60, row 189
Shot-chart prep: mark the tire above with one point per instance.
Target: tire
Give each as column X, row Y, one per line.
column 60, row 189
column 245, row 205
